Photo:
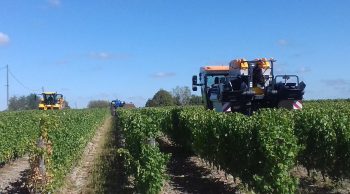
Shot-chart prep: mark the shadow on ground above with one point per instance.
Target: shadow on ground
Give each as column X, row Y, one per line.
column 306, row 185
column 187, row 177
column 19, row 185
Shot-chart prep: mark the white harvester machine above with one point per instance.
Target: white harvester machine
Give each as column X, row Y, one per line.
column 245, row 86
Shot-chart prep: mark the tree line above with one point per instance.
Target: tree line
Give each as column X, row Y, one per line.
column 180, row 96
column 29, row 102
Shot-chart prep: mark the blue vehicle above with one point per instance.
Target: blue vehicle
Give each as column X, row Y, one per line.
column 116, row 104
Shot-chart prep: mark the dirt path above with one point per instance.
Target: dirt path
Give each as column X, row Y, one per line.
column 188, row 174
column 110, row 173
column 315, row 184
column 12, row 176
column 77, row 180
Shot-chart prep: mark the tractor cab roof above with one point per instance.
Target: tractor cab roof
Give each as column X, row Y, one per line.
column 214, row 69
column 49, row 93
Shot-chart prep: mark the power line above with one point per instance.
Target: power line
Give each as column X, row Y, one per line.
column 20, row 83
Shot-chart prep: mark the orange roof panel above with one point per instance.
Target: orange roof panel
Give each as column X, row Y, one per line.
column 215, row 68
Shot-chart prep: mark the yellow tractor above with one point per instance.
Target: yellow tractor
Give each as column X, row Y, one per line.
column 51, row 101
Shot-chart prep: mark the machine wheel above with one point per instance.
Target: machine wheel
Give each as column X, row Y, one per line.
column 249, row 111
column 248, row 108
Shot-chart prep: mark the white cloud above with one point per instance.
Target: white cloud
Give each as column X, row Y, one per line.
column 101, row 55
column 136, row 98
column 55, row 3
column 62, row 62
column 65, row 89
column 336, row 82
column 163, row 74
column 109, row 55
column 282, row 42
column 4, row 39
column 280, row 68
column 139, row 101
column 340, row 85
column 303, row 70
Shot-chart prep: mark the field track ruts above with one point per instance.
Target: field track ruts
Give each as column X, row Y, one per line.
column 78, row 179
column 188, row 174
column 12, row 176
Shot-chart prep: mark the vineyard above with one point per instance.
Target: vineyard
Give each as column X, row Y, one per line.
column 261, row 150
column 66, row 134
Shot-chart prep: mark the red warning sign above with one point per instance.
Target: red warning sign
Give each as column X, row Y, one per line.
column 226, row 107
column 297, row 105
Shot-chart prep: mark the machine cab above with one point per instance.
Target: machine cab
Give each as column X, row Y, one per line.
column 51, row 100
column 209, row 78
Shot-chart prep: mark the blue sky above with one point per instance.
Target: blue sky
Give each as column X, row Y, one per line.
column 130, row 49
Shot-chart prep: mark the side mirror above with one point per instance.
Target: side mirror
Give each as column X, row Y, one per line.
column 194, row 83
column 302, row 85
column 194, row 80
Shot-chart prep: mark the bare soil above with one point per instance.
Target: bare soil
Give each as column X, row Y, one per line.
column 315, row 183
column 189, row 174
column 12, row 176
column 79, row 178
column 110, row 173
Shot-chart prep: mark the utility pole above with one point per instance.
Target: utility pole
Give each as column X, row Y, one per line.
column 7, row 85
column 42, row 89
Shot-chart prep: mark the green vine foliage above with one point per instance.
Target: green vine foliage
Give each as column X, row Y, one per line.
column 146, row 163
column 74, row 130
column 261, row 150
column 67, row 133
column 40, row 175
column 323, row 131
column 277, row 150
column 17, row 132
